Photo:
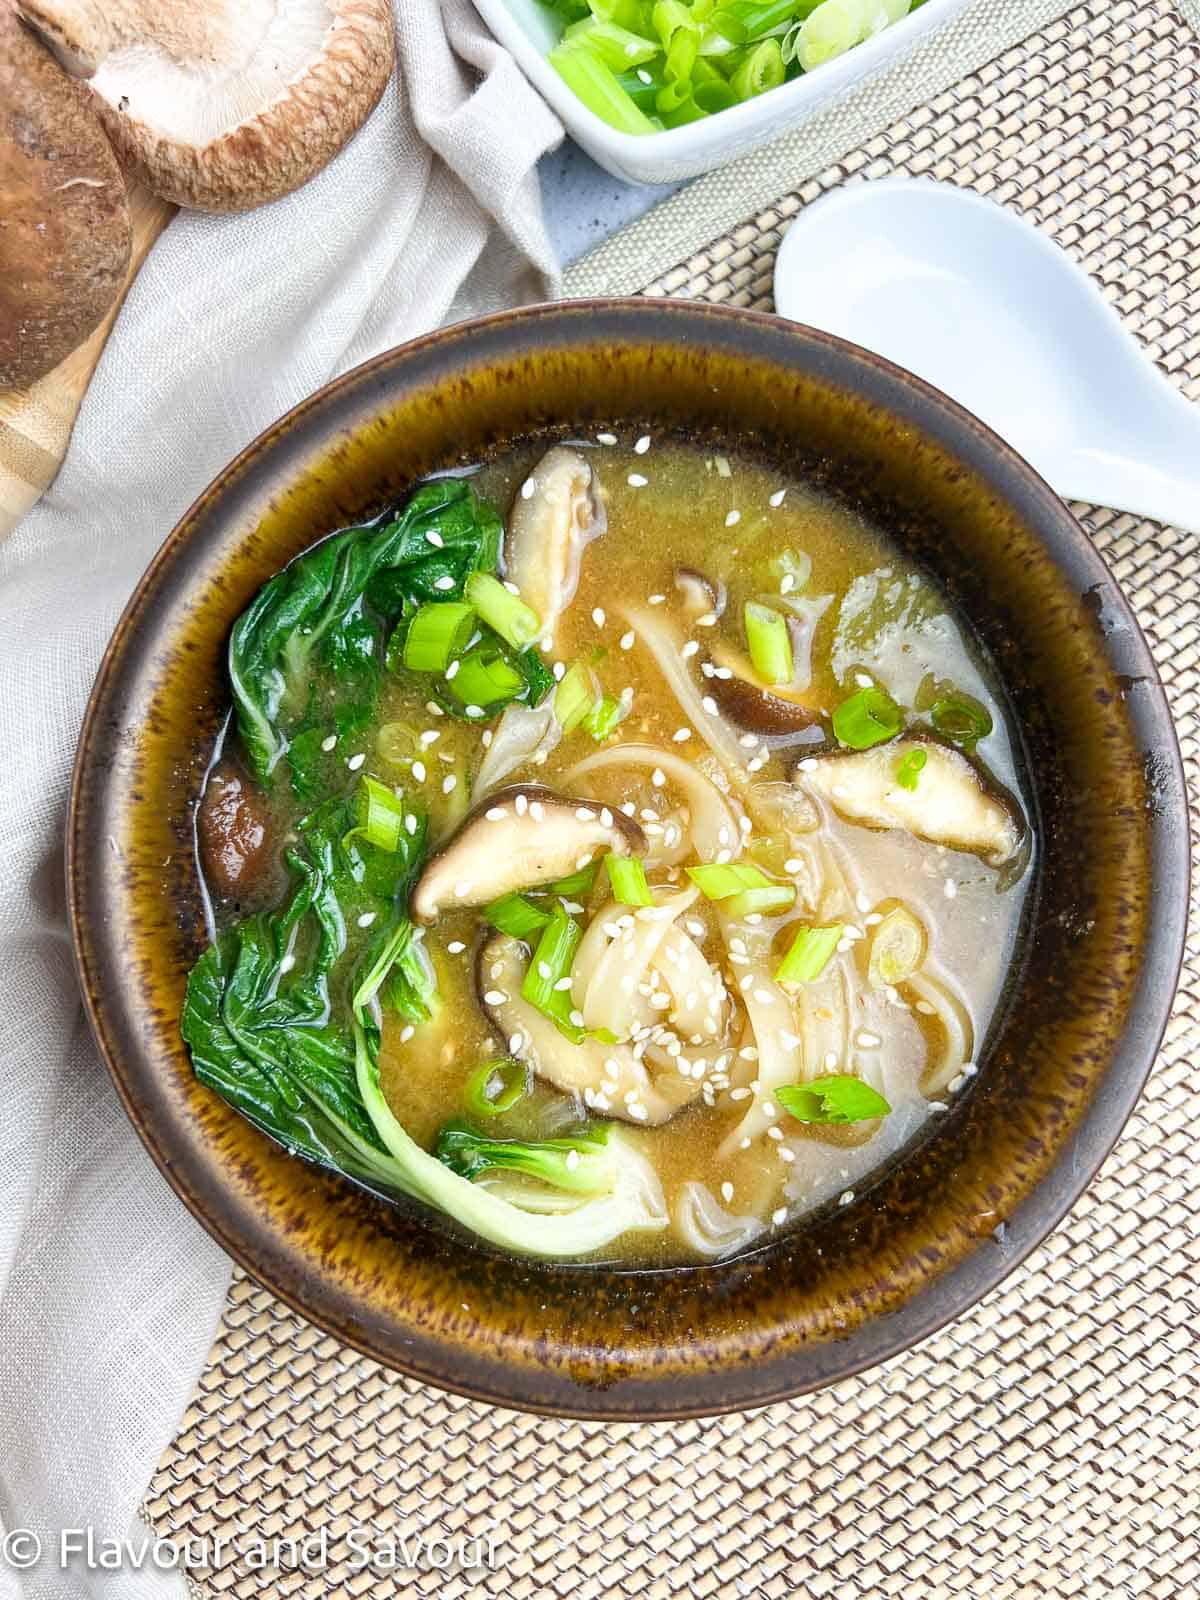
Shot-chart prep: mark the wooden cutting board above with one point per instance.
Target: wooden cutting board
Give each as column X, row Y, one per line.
column 36, row 423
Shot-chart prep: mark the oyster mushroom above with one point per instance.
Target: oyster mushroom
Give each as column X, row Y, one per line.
column 519, row 837
column 223, row 104
column 610, row 1077
column 558, row 511
column 64, row 216
column 953, row 803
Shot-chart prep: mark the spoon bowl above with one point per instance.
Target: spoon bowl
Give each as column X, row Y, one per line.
column 978, row 302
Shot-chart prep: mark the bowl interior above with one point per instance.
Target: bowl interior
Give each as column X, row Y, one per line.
column 1083, row 1012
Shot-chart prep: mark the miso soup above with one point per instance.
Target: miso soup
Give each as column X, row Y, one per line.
column 618, row 849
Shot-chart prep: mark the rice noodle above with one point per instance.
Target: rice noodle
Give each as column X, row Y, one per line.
column 609, row 998
column 705, row 1227
column 697, row 990
column 770, row 1015
column 714, row 826
column 523, row 733
column 956, row 1024
column 666, row 644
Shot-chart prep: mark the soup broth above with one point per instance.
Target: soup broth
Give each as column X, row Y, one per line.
column 692, row 926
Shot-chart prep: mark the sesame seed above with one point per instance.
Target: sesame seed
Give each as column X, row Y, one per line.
column 449, row 784
column 787, row 583
column 410, row 823
column 708, row 620
column 739, row 1094
column 443, row 583
column 776, row 499
column 435, row 538
column 287, row 964
column 521, row 804
column 627, row 640
column 733, row 518
column 598, row 616
column 452, row 670
column 950, row 888
column 516, row 1043
column 431, row 736
column 831, row 1059
column 638, row 1113
column 562, row 985
column 606, row 438
column 473, row 711
column 537, row 810
column 572, row 1160
column 809, row 764
column 775, row 1133
column 925, row 1008
column 710, row 705
column 655, row 599
column 658, row 777
column 329, row 743
column 727, row 1191
column 528, row 489
column 495, row 813
column 681, row 735
column 584, row 815
column 868, row 1041
column 418, row 771
column 845, row 1197
column 455, row 947
column 463, row 889
column 937, row 1105
column 355, row 762
column 406, row 1032
column 637, row 481
column 367, row 918
column 780, row 1216
column 642, row 445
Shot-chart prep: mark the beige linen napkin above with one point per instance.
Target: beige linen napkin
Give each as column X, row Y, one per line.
column 109, row 1292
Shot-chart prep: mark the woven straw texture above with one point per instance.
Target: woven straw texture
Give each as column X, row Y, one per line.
column 1046, row 1445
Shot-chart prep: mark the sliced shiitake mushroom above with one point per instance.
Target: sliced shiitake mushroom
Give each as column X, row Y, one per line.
column 779, row 720
column 558, row 511
column 702, row 596
column 518, row 838
column 610, row 1077
column 954, row 802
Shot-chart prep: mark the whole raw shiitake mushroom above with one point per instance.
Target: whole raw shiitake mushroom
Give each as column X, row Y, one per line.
column 64, row 216
column 223, row 104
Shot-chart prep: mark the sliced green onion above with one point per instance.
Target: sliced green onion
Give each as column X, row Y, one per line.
column 897, row 949
column 721, row 880
column 770, row 643
column 604, row 718
column 627, row 876
column 494, row 1087
column 502, row 610
column 575, row 696
column 810, row 953
column 910, row 767
column 838, row 1099
column 641, row 85
column 550, row 964
column 866, row 718
column 961, row 719
column 596, row 86
column 761, row 902
column 378, row 815
column 619, row 48
column 579, row 885
column 484, row 677
column 762, row 69
column 397, row 744
column 743, row 21
column 437, row 633
column 513, row 914
column 539, row 680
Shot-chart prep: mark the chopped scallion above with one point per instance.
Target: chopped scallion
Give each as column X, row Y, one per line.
column 515, row 622
column 961, row 719
column 910, row 767
column 378, row 815
column 514, row 915
column 604, row 718
column 722, row 880
column 809, row 954
column 763, row 902
column 769, row 642
column 551, row 962
column 484, row 677
column 495, row 1087
column 867, row 718
column 437, row 633
column 597, row 87
column 838, row 1099
column 762, row 69
column 575, row 697
column 579, row 885
column 627, row 876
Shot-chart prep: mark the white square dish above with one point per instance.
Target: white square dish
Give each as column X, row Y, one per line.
column 529, row 30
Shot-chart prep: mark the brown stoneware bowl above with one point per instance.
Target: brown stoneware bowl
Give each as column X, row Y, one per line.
column 1084, row 1010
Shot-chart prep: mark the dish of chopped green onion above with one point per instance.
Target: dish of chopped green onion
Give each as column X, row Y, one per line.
column 646, row 65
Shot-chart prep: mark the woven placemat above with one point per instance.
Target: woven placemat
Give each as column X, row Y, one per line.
column 1045, row 1445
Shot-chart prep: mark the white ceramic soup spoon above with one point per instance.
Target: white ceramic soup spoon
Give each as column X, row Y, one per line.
column 977, row 301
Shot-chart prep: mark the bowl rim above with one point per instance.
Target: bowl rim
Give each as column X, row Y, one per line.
column 951, row 1293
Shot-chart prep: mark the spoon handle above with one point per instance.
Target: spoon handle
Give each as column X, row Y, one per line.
column 1153, row 471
